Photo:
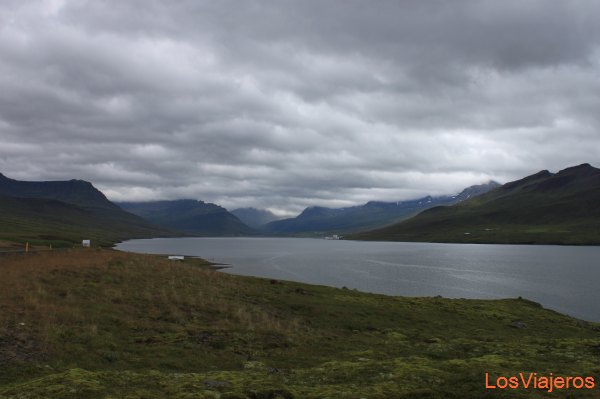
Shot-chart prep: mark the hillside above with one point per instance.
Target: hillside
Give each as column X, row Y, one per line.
column 65, row 212
column 370, row 215
column 103, row 324
column 77, row 192
column 543, row 208
column 191, row 216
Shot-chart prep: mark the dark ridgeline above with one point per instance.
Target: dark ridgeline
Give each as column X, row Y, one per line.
column 63, row 212
column 544, row 208
column 370, row 215
column 76, row 192
column 190, row 216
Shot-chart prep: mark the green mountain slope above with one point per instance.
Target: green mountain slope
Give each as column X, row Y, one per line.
column 65, row 212
column 544, row 208
column 190, row 216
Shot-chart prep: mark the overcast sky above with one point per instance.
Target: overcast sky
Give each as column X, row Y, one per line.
column 284, row 104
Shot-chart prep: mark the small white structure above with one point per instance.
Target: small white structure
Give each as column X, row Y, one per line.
column 176, row 257
column 86, row 243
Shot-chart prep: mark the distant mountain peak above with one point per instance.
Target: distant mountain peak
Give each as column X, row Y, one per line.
column 542, row 174
column 254, row 217
column 372, row 214
column 584, row 165
column 189, row 215
column 312, row 211
column 476, row 190
column 583, row 169
column 189, row 200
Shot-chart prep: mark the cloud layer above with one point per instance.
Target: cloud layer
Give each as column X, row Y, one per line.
column 284, row 104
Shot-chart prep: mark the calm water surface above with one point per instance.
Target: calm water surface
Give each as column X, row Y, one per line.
column 559, row 277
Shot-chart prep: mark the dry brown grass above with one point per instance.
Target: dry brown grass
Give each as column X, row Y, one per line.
column 49, row 299
column 8, row 244
column 15, row 247
column 137, row 326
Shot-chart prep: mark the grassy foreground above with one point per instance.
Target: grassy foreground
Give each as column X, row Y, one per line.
column 105, row 324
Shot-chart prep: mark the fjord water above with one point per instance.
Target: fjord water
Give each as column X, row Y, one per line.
column 563, row 278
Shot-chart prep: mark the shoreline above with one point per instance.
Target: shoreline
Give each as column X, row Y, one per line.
column 448, row 262
column 118, row 315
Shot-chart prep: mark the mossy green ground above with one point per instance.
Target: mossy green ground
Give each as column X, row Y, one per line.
column 104, row 324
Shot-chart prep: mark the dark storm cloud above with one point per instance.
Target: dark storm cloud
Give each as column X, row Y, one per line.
column 286, row 104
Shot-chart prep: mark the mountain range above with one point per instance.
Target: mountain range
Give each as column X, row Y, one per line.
column 370, row 215
column 190, row 216
column 64, row 212
column 544, row 208
column 548, row 208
